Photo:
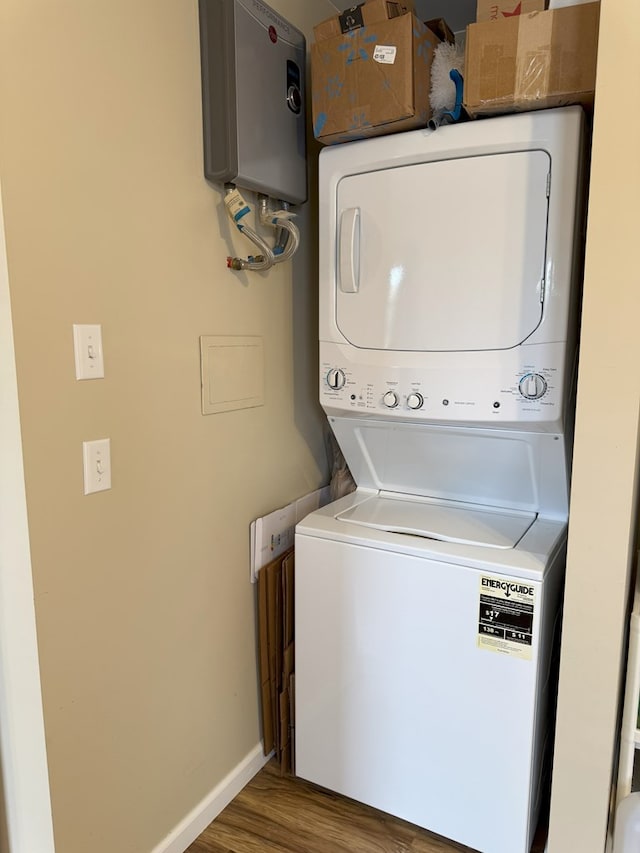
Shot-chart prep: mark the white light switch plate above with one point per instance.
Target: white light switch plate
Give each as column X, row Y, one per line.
column 96, row 457
column 87, row 345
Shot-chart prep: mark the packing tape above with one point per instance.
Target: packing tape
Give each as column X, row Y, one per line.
column 533, row 57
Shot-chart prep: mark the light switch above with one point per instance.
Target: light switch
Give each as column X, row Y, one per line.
column 96, row 457
column 87, row 344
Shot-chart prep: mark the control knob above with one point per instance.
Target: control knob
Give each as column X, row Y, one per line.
column 336, row 379
column 415, row 400
column 390, row 399
column 532, row 386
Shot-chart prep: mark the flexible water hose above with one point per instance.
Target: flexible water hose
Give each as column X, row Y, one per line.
column 287, row 234
column 286, row 245
column 237, row 209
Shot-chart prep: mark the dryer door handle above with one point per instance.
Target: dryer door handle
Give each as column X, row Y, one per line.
column 349, row 250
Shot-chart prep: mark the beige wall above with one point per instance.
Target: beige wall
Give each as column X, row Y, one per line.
column 604, row 494
column 144, row 608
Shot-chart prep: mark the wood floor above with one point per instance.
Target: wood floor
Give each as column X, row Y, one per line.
column 275, row 814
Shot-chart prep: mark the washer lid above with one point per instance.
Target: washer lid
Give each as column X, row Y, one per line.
column 441, row 256
column 485, row 527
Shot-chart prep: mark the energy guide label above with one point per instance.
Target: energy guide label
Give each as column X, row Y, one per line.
column 505, row 617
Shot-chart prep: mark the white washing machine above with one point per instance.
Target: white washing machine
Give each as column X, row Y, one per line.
column 421, row 665
column 426, row 600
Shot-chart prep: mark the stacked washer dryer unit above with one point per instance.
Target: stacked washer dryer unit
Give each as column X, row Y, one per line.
column 426, row 601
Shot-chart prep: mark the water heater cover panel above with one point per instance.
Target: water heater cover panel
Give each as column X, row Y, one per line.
column 446, row 255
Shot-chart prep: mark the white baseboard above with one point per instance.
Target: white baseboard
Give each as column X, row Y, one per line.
column 199, row 818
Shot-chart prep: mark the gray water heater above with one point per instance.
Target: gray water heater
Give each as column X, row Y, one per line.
column 253, row 98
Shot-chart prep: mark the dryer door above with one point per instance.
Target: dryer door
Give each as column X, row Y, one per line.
column 443, row 256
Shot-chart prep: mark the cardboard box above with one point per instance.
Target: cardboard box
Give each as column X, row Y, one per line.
column 560, row 4
column 496, row 10
column 362, row 15
column 276, row 645
column 373, row 80
column 544, row 59
column 442, row 29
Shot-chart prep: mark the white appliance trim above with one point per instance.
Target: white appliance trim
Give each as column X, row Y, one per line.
column 25, row 778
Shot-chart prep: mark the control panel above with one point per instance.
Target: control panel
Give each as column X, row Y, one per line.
column 336, row 378
column 533, row 386
column 508, row 391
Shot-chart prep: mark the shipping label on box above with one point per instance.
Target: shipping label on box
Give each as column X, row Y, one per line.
column 544, row 59
column 373, row 80
column 496, row 10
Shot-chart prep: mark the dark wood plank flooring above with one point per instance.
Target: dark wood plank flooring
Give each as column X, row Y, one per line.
column 275, row 814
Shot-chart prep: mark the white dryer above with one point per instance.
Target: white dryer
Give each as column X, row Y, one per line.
column 426, row 600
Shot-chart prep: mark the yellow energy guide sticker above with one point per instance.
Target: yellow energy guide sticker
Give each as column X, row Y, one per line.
column 505, row 618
